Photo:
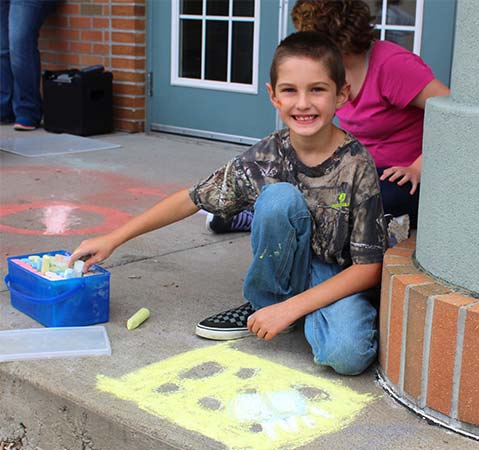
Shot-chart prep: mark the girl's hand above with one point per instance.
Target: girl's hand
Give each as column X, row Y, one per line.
column 403, row 175
column 267, row 322
column 93, row 251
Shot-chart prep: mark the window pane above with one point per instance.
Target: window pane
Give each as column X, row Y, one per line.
column 192, row 7
column 242, row 57
column 403, row 38
column 401, row 12
column 376, row 7
column 243, row 8
column 217, row 7
column 216, row 50
column 190, row 48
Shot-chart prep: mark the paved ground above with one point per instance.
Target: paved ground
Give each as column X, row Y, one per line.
column 163, row 387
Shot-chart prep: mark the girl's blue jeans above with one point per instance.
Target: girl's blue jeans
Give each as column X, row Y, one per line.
column 20, row 70
column 342, row 335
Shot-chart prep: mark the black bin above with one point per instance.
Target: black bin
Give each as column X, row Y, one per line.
column 78, row 101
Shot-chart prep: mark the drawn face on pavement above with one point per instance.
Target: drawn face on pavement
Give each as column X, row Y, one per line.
column 263, row 405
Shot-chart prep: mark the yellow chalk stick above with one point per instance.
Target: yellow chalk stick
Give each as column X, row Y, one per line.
column 45, row 264
column 138, row 318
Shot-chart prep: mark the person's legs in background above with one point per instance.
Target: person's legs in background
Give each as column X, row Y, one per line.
column 25, row 20
column 6, row 77
column 342, row 335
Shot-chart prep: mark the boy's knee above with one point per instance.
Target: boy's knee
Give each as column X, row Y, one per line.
column 279, row 198
column 349, row 357
column 352, row 366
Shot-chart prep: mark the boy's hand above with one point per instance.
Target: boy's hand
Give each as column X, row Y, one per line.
column 267, row 322
column 402, row 175
column 92, row 251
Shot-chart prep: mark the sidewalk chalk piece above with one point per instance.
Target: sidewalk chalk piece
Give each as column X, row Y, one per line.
column 53, row 267
column 138, row 318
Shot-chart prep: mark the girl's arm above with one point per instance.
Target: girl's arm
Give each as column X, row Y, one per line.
column 433, row 89
column 268, row 322
column 172, row 209
column 412, row 173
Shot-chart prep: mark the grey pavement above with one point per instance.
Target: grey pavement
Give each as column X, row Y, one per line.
column 163, row 387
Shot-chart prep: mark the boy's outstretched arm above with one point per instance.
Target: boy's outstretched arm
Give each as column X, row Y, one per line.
column 271, row 320
column 172, row 209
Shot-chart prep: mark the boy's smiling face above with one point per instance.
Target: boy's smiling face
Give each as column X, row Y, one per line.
column 306, row 96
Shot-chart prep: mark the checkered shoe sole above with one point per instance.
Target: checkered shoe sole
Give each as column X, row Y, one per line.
column 231, row 324
column 228, row 325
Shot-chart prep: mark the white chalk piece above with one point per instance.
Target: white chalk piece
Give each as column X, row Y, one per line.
column 138, row 318
column 78, row 268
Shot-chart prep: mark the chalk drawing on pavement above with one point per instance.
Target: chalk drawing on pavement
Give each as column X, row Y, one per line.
column 239, row 399
column 59, row 218
column 93, row 202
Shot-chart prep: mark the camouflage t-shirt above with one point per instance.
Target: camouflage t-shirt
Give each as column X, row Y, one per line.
column 342, row 194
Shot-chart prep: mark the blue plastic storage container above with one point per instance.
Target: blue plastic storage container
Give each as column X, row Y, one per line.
column 59, row 303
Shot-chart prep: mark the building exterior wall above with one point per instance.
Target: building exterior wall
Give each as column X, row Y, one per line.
column 107, row 32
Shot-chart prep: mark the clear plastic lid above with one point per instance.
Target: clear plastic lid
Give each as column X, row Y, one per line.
column 38, row 343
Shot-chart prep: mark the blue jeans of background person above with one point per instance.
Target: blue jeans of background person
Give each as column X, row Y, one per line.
column 398, row 201
column 20, row 70
column 342, row 335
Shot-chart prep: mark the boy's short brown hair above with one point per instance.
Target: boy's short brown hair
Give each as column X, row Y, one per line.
column 314, row 45
column 347, row 22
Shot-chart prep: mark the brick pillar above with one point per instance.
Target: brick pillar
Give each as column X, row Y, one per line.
column 107, row 32
column 428, row 343
column 448, row 237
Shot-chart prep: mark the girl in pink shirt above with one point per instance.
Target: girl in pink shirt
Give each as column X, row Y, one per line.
column 389, row 88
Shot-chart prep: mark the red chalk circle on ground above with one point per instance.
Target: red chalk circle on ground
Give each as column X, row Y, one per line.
column 63, row 218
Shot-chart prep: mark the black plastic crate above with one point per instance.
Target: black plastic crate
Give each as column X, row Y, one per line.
column 78, row 101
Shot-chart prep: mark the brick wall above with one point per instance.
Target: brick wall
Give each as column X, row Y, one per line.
column 429, row 336
column 81, row 33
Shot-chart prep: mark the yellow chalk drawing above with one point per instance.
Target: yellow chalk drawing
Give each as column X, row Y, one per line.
column 239, row 399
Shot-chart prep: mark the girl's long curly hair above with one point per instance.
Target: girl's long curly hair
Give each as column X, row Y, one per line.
column 347, row 22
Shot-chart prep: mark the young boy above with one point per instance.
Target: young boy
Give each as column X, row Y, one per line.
column 318, row 233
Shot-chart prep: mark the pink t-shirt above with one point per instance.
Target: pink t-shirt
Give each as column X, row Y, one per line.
column 379, row 116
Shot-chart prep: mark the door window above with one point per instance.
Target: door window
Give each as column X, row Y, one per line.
column 215, row 44
column 399, row 21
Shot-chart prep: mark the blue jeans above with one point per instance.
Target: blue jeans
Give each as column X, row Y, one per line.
column 342, row 335
column 20, row 70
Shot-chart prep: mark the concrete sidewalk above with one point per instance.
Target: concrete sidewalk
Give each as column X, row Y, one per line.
column 163, row 387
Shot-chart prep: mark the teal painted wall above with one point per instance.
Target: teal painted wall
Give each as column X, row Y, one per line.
column 438, row 36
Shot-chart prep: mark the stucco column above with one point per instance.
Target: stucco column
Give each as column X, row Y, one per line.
column 448, row 228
